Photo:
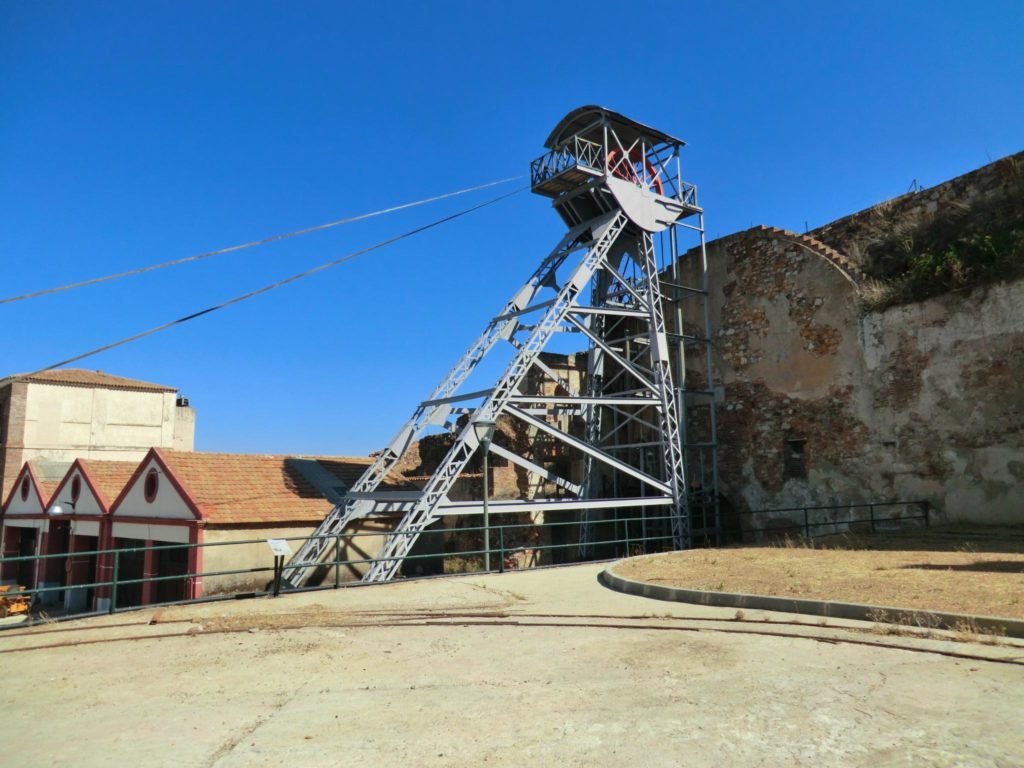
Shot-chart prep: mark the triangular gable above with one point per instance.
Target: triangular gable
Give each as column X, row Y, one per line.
column 170, row 499
column 26, row 496
column 89, row 500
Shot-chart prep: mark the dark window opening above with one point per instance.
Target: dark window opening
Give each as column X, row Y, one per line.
column 76, row 488
column 794, row 460
column 151, row 486
column 171, row 562
column 24, row 489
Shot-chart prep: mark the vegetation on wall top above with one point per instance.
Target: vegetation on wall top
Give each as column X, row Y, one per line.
column 954, row 251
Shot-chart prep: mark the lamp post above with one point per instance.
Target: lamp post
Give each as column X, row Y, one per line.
column 484, row 430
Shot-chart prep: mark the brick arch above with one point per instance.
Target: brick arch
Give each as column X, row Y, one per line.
column 841, row 263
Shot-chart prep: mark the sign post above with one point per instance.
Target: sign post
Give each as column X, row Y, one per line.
column 280, row 550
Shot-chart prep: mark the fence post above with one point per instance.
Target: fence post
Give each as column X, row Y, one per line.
column 501, row 549
column 925, row 506
column 626, row 522
column 113, row 586
column 337, row 560
column 807, row 524
column 871, row 514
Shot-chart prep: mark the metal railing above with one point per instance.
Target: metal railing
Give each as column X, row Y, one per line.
column 624, row 536
column 576, row 151
column 510, row 542
column 870, row 515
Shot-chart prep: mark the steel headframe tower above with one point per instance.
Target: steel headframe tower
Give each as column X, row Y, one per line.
column 617, row 185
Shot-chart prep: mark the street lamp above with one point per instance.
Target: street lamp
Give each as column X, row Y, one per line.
column 484, row 430
column 57, row 509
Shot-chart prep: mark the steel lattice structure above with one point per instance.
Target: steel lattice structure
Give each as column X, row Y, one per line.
column 617, row 185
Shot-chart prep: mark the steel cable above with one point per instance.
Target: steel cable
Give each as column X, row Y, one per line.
column 253, row 243
column 278, row 283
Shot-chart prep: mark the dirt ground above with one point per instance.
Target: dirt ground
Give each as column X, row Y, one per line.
column 952, row 571
column 542, row 667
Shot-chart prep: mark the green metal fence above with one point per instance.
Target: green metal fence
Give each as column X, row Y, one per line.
column 616, row 537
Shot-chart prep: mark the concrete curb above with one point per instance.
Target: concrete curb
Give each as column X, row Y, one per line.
column 834, row 610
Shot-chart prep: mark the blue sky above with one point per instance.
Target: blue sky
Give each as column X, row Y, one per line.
column 133, row 133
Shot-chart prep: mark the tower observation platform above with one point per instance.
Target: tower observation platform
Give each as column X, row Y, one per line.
column 598, row 160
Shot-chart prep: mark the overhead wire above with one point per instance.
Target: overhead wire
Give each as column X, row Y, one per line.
column 279, row 283
column 253, row 243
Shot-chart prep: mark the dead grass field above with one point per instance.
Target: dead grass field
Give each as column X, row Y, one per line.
column 951, row 570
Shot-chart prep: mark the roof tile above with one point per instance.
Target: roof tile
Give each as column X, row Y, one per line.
column 234, row 488
column 82, row 377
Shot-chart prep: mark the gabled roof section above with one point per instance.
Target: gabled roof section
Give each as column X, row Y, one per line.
column 82, row 378
column 108, row 478
column 45, row 475
column 239, row 489
column 627, row 129
column 105, row 479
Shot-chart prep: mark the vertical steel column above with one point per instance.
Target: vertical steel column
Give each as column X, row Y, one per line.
column 662, row 366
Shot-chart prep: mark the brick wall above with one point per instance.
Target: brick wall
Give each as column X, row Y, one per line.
column 12, row 453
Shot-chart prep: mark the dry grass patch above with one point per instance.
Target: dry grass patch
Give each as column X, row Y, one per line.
column 981, row 576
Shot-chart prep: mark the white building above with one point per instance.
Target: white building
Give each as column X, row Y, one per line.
column 71, row 413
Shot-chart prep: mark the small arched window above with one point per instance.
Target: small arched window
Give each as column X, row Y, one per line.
column 151, row 486
column 24, row 488
column 76, row 488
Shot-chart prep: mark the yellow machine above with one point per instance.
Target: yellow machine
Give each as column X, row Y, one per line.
column 13, row 601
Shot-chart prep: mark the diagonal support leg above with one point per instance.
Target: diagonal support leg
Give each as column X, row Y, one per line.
column 605, row 230
column 502, row 326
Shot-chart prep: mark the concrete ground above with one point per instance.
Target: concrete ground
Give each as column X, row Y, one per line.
column 532, row 668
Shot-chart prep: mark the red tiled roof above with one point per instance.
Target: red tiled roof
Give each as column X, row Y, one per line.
column 84, row 378
column 108, row 477
column 46, row 489
column 234, row 489
column 48, row 475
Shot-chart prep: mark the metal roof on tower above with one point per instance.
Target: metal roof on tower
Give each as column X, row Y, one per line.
column 582, row 118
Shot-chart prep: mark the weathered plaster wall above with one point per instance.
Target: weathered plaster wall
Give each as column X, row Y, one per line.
column 64, row 422
column 947, row 380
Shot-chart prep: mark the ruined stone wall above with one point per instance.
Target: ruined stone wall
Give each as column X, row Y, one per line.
column 923, row 401
column 785, row 326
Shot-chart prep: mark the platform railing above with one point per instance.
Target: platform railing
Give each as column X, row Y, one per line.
column 575, row 152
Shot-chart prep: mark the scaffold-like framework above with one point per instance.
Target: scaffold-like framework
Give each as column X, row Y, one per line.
column 617, row 185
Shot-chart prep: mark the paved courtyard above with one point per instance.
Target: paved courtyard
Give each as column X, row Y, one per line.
column 532, row 668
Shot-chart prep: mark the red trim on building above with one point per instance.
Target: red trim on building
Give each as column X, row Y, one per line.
column 83, row 470
column 148, row 572
column 27, row 467
column 194, row 585
column 105, row 563
column 179, row 486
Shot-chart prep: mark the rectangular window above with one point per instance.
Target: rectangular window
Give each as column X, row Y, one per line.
column 794, row 460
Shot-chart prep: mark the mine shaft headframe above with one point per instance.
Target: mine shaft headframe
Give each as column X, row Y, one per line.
column 599, row 160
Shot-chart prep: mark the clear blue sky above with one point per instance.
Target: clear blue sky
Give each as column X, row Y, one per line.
column 133, row 133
